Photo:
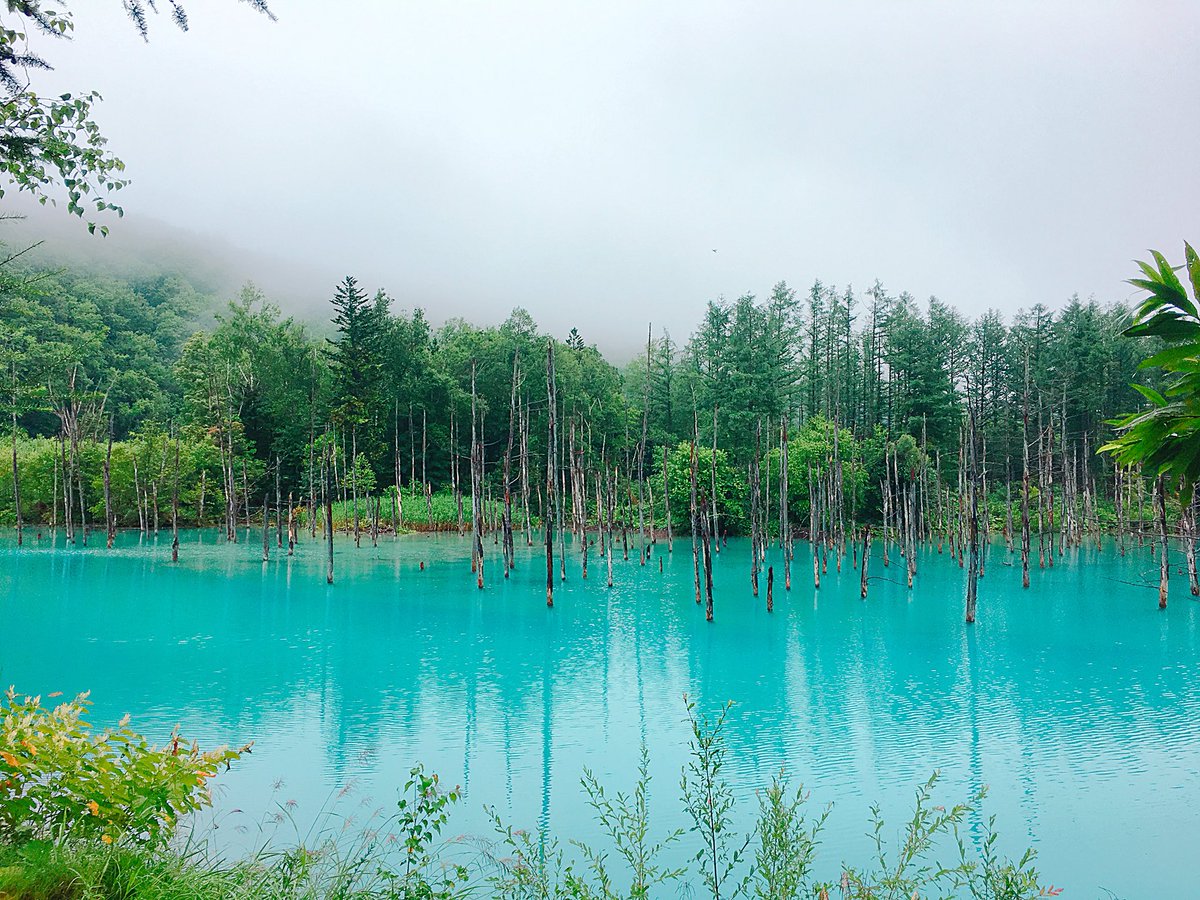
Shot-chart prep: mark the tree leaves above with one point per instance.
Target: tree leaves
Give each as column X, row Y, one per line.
column 1166, row 439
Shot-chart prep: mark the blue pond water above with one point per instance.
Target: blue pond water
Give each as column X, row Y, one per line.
column 1077, row 702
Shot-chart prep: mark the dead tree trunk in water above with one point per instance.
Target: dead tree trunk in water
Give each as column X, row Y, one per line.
column 1025, row 482
column 327, row 501
column 643, row 550
column 175, row 505
column 425, row 486
column 551, row 473
column 785, row 525
column 508, row 549
column 814, row 526
column 476, row 486
column 972, row 520
column 667, row 502
column 397, row 498
column 53, row 494
column 15, row 475
column 278, row 506
column 866, row 556
column 706, row 545
column 756, row 538
column 266, row 524
column 354, row 480
column 109, row 523
column 1189, row 537
column 528, row 520
column 610, row 513
column 694, row 512
column 1160, row 489
column 713, row 466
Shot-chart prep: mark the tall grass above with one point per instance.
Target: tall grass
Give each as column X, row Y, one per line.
column 406, row 855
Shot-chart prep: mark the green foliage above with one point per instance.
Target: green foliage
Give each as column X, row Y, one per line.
column 787, row 842
column 47, row 142
column 1165, row 439
column 811, row 452
column 708, row 800
column 731, row 486
column 50, row 141
column 625, row 821
column 115, row 849
column 59, row 780
column 424, row 810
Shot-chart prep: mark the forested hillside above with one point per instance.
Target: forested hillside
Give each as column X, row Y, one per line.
column 103, row 369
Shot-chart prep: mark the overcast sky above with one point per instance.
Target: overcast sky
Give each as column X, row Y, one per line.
column 584, row 160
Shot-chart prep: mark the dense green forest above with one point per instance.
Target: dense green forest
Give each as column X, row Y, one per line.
column 256, row 400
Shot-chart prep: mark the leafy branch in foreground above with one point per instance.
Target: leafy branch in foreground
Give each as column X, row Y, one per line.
column 708, row 799
column 50, row 141
column 625, row 821
column 787, row 841
column 60, row 780
column 1165, row 440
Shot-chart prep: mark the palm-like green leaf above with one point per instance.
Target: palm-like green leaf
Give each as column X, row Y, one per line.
column 1165, row 439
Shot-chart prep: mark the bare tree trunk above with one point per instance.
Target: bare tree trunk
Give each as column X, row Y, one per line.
column 354, row 480
column 109, row 522
column 667, row 502
column 972, row 521
column 476, row 488
column 83, row 527
column 68, row 506
column 525, row 474
column 200, row 504
column 785, row 525
column 755, row 510
column 693, row 508
column 245, row 493
column 509, row 550
column 1189, row 538
column 866, row 557
column 175, row 505
column 278, row 507
column 1119, row 506
column 327, row 500
column 424, row 459
column 1164, row 568
column 15, row 474
column 706, row 542
column 716, row 531
column 551, row 473
column 266, row 531
column 1025, row 483
column 814, row 525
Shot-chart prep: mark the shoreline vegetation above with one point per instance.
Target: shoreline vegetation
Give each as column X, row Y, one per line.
column 849, row 419
column 88, row 815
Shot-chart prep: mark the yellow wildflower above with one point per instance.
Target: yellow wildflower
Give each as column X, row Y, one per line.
column 106, row 838
column 10, row 759
column 94, row 807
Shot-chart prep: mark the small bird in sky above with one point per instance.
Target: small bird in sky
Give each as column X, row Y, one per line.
column 714, row 251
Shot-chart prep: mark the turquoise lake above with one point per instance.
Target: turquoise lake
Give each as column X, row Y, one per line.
column 1076, row 702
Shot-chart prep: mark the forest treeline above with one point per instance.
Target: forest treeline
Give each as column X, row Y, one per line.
column 109, row 380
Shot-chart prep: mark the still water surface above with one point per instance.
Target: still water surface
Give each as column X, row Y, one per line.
column 1076, row 702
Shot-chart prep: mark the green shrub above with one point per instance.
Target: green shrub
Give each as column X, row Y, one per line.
column 60, row 780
